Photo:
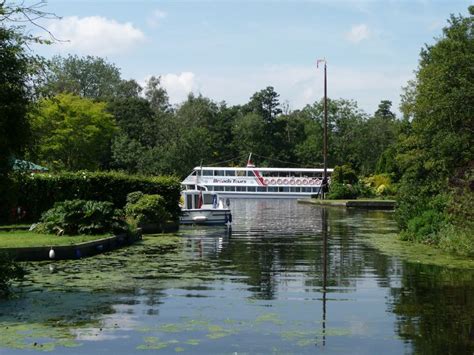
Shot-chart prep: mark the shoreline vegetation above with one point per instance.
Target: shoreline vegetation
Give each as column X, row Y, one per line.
column 364, row 203
column 23, row 239
column 392, row 245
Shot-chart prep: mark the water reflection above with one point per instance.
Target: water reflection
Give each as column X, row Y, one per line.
column 286, row 278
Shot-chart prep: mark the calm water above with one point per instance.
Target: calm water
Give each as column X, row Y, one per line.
column 287, row 279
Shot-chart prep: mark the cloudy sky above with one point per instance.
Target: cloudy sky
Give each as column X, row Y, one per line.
column 228, row 50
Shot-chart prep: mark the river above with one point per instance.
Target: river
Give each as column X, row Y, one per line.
column 286, row 278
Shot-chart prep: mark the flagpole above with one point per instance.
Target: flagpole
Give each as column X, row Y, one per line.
column 325, row 131
column 325, row 153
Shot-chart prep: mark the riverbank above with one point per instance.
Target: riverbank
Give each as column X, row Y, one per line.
column 359, row 203
column 29, row 246
column 391, row 245
column 15, row 238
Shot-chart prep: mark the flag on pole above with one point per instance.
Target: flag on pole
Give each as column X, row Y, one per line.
column 200, row 199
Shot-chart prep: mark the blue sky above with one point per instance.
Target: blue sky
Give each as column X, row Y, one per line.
column 228, row 50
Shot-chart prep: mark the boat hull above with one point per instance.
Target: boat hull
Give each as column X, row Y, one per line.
column 203, row 216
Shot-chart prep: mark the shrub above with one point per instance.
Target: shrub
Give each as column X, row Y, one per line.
column 341, row 191
column 381, row 184
column 9, row 271
column 362, row 190
column 74, row 217
column 457, row 240
column 133, row 197
column 147, row 209
column 425, row 227
column 344, row 174
column 37, row 193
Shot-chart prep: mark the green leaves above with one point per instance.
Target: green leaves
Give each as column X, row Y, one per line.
column 72, row 133
column 440, row 102
column 73, row 217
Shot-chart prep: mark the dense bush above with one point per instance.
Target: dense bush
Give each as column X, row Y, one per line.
column 341, row 191
column 37, row 193
column 9, row 270
column 74, row 217
column 344, row 174
column 425, row 227
column 146, row 209
column 381, row 184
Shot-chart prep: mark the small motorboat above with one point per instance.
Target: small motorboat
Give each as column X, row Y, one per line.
column 204, row 207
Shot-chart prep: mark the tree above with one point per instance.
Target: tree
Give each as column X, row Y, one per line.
column 345, row 131
column 249, row 134
column 265, row 103
column 15, row 71
column 157, row 95
column 14, row 98
column 89, row 77
column 72, row 133
column 384, row 110
column 440, row 102
column 135, row 118
column 379, row 133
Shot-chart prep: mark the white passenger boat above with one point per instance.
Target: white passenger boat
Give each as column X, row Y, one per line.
column 251, row 182
column 203, row 207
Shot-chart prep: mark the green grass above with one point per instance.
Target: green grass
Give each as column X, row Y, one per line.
column 20, row 239
column 13, row 226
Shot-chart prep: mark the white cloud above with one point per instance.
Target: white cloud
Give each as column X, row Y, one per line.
column 358, row 33
column 178, row 86
column 154, row 20
column 95, row 35
column 299, row 85
column 302, row 85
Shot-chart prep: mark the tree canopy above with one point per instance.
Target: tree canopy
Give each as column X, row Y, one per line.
column 72, row 133
column 435, row 154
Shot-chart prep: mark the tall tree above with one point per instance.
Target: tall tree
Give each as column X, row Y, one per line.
column 89, row 77
column 156, row 95
column 378, row 134
column 14, row 101
column 265, row 103
column 441, row 104
column 14, row 97
column 384, row 111
column 72, row 133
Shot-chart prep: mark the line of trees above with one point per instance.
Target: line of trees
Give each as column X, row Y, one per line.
column 88, row 117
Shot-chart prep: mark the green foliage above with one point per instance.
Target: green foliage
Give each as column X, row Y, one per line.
column 457, row 239
column 89, row 77
column 425, row 227
column 9, row 271
column 134, row 196
column 73, row 217
column 72, row 133
column 14, row 100
column 38, row 193
column 438, row 145
column 265, row 103
column 458, row 234
column 339, row 191
column 344, row 174
column 381, row 184
column 146, row 209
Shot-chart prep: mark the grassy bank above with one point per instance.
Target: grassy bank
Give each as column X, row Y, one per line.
column 390, row 244
column 20, row 239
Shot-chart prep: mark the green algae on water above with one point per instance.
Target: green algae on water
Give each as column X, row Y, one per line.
column 390, row 244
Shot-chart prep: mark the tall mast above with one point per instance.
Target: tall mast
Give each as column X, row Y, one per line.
column 325, row 128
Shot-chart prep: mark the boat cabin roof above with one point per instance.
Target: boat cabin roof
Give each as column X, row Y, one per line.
column 199, row 168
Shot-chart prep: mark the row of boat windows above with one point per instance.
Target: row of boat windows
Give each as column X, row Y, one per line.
column 264, row 189
column 220, row 173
